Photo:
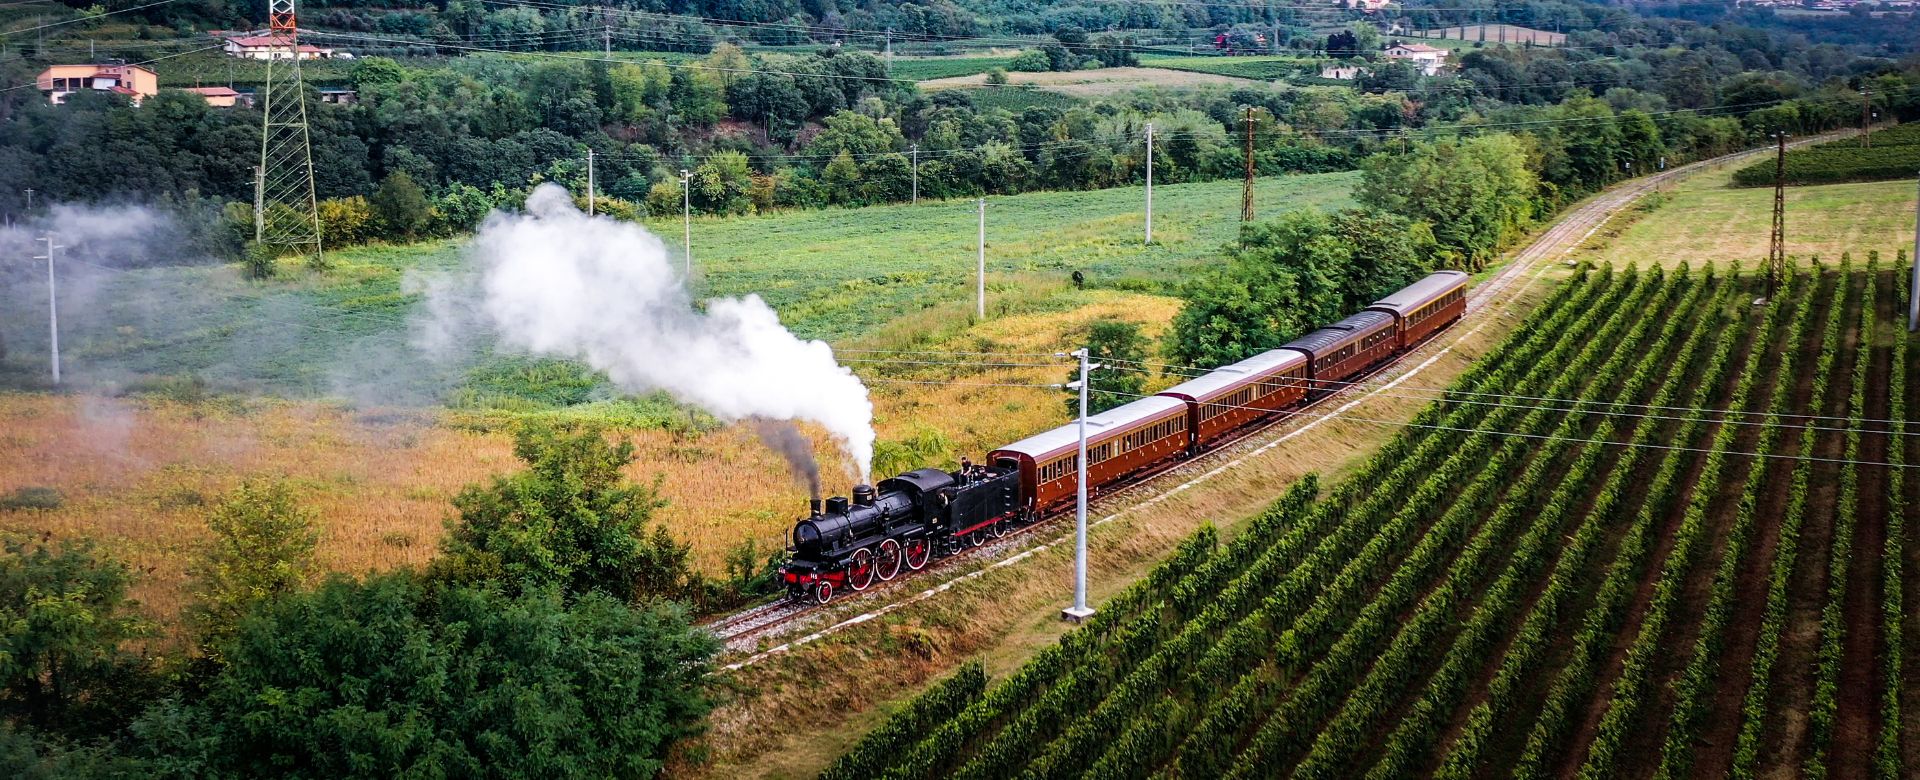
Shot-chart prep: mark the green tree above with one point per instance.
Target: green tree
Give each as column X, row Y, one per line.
column 64, row 614
column 571, row 521
column 377, row 71
column 401, row 207
column 1477, row 193
column 392, row 677
column 722, row 183
column 1119, row 345
column 842, row 179
column 262, row 549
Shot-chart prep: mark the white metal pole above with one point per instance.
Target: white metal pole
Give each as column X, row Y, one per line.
column 1913, row 291
column 980, row 278
column 53, row 308
column 1079, row 611
column 686, row 218
column 589, row 182
column 1149, row 182
column 916, row 173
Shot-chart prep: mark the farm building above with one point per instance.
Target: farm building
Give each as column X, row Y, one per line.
column 136, row 82
column 1427, row 58
column 271, row 47
column 220, row 97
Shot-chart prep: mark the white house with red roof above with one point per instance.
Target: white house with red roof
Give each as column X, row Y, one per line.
column 1427, row 58
column 271, row 47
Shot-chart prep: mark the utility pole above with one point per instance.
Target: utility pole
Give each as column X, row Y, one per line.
column 606, row 41
column 29, row 200
column 1913, row 299
column 686, row 218
column 889, row 55
column 980, row 278
column 1080, row 611
column 916, row 173
column 1866, row 108
column 590, row 182
column 1777, row 249
column 1246, row 192
column 1149, row 182
column 53, row 306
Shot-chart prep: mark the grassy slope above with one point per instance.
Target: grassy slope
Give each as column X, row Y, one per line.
column 1267, row 68
column 1703, row 220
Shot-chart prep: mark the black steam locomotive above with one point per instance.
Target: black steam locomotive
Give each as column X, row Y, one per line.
column 911, row 519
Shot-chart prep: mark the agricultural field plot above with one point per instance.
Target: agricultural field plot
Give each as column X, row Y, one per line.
column 1661, row 530
column 1460, row 37
column 186, row 422
column 1097, row 82
column 1263, row 68
column 1894, row 153
column 925, row 68
column 1702, row 220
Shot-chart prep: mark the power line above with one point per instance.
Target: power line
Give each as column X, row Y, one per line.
column 11, row 33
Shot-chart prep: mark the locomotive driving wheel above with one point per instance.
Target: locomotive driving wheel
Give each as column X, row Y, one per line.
column 917, row 553
column 977, row 538
column 998, row 529
column 886, row 562
column 822, row 592
column 860, row 570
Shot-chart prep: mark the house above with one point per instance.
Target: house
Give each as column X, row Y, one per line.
column 1427, row 58
column 218, row 97
column 1367, row 5
column 271, row 47
column 136, row 82
column 338, row 96
column 1341, row 72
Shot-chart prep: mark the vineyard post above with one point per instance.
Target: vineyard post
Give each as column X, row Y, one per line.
column 1080, row 611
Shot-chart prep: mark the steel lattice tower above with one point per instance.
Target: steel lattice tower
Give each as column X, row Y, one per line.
column 285, row 214
column 1777, row 246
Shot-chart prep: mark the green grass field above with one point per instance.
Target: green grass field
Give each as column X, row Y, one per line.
column 1703, row 220
column 838, row 274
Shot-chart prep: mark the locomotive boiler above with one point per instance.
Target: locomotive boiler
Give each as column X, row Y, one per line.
column 851, row 543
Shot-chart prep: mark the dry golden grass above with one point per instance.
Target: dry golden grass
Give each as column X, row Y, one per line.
column 138, row 474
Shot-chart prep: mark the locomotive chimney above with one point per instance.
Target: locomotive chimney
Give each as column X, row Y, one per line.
column 863, row 495
column 814, row 505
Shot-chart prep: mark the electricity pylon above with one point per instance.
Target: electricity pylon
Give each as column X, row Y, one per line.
column 286, row 217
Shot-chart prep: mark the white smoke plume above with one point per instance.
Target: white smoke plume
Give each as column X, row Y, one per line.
column 557, row 282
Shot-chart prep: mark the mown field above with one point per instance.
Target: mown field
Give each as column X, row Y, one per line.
column 1661, row 531
column 1702, row 220
column 205, row 379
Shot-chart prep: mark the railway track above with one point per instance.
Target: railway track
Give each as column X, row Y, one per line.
column 742, row 631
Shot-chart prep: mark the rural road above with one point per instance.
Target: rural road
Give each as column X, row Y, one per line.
column 1572, row 229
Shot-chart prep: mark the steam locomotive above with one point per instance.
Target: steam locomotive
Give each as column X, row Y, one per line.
column 878, row 534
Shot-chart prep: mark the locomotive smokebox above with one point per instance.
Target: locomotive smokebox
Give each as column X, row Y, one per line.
column 863, row 495
column 814, row 507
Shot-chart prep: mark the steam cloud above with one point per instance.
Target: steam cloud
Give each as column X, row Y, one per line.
column 781, row 436
column 557, row 282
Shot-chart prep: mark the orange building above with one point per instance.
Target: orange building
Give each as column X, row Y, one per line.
column 136, row 82
column 218, row 97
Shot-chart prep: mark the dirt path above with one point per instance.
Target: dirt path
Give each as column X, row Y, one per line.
column 1720, row 731
column 1791, row 691
column 1857, row 719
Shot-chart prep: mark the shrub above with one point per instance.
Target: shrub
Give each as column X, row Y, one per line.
column 262, row 549
column 1031, row 61
column 346, row 220
column 32, row 497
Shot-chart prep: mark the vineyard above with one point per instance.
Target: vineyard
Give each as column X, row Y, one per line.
column 1895, row 154
column 1661, row 531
